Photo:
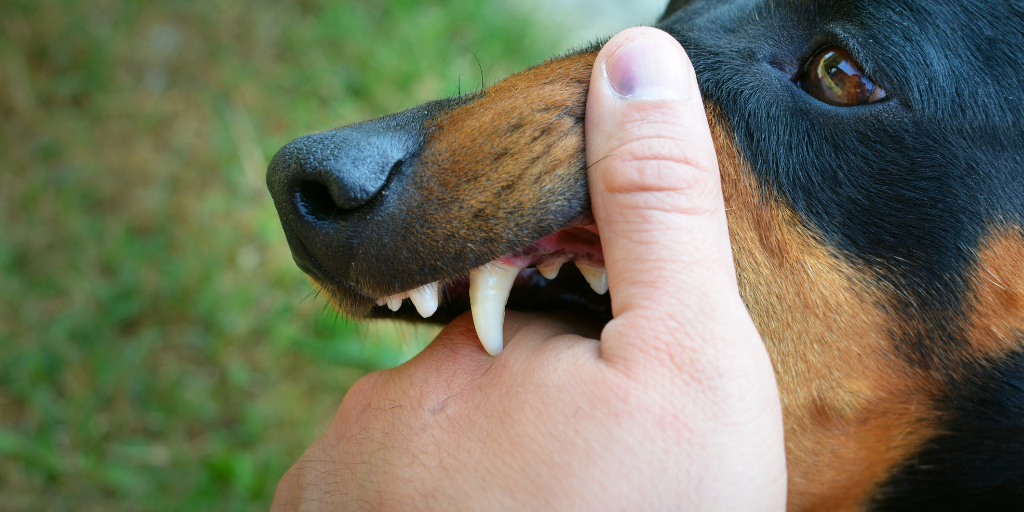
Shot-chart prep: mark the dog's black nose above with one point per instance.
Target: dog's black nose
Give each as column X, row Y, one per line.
column 322, row 176
column 330, row 187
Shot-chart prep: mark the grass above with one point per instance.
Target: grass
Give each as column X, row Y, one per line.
column 158, row 348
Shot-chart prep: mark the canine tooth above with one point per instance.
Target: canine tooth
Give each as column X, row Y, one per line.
column 597, row 277
column 381, row 301
column 549, row 271
column 489, row 286
column 425, row 299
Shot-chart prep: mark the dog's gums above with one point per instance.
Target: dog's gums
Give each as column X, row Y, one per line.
column 490, row 284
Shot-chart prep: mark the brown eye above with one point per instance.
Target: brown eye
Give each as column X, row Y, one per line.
column 834, row 77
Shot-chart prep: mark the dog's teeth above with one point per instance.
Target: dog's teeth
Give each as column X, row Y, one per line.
column 381, row 301
column 597, row 277
column 489, row 286
column 549, row 271
column 395, row 301
column 425, row 299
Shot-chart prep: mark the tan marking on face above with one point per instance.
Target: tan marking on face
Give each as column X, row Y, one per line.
column 996, row 309
column 515, row 149
column 854, row 409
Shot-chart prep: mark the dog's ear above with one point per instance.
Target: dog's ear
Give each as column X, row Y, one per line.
column 674, row 6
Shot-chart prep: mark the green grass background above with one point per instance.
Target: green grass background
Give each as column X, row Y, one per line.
column 158, row 348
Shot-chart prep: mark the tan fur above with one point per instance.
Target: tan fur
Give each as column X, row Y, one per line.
column 506, row 153
column 996, row 310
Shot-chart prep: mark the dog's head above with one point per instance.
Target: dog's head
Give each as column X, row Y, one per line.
column 872, row 164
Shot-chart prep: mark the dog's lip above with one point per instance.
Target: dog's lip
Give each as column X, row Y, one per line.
column 579, row 242
column 320, row 275
column 569, row 292
column 316, row 270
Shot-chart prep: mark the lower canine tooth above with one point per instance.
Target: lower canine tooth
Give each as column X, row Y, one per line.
column 597, row 277
column 489, row 286
column 425, row 299
column 549, row 271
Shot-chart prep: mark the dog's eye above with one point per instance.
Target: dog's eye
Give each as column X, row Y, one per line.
column 834, row 77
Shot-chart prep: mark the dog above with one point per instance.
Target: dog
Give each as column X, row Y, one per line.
column 873, row 171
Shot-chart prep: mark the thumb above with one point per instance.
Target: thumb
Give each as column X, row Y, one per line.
column 657, row 198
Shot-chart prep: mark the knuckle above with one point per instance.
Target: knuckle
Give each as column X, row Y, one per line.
column 652, row 175
column 665, row 185
column 455, row 342
column 368, row 386
column 658, row 147
column 361, row 398
column 653, row 162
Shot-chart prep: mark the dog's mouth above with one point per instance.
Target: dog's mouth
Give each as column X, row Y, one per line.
column 418, row 202
column 563, row 271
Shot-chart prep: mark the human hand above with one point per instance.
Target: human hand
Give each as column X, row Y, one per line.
column 674, row 408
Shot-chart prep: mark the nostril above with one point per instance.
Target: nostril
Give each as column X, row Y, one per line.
column 315, row 202
column 324, row 177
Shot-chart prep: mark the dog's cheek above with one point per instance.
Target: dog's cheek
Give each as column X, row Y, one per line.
column 854, row 408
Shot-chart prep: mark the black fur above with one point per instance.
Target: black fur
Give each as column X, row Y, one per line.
column 977, row 463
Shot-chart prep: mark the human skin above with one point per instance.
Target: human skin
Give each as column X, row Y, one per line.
column 670, row 406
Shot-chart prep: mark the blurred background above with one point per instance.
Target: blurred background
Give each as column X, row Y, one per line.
column 159, row 350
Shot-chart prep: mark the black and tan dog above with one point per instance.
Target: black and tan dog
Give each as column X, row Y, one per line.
column 872, row 157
